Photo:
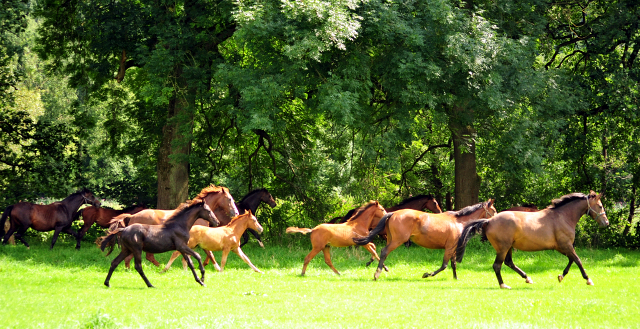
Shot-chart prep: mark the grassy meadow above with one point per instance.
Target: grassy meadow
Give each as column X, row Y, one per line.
column 64, row 288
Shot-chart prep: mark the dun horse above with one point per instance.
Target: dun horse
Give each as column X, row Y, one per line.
column 217, row 198
column 225, row 238
column 433, row 231
column 172, row 235
column 101, row 216
column 341, row 235
column 57, row 216
column 552, row 228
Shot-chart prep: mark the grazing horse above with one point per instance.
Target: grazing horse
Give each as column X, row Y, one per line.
column 101, row 216
column 217, row 198
column 225, row 238
column 551, row 228
column 432, row 231
column 57, row 216
column 251, row 201
column 341, row 235
column 418, row 202
column 172, row 235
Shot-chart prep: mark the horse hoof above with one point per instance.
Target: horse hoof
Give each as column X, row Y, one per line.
column 560, row 277
column 529, row 280
column 261, row 244
column 589, row 282
column 386, row 268
column 426, row 275
column 504, row 286
column 151, row 286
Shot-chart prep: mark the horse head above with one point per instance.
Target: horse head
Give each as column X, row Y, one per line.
column 207, row 213
column 253, row 222
column 432, row 204
column 489, row 209
column 267, row 198
column 596, row 210
column 89, row 198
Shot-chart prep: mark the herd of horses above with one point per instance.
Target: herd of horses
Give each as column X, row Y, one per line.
column 215, row 222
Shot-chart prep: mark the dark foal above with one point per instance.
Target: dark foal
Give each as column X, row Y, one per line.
column 172, row 235
column 251, row 202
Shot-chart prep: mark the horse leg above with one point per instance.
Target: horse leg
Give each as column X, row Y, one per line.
column 116, row 261
column 574, row 257
column 74, row 234
column 442, row 267
column 566, row 270
column 55, row 236
column 327, row 258
column 152, row 259
column 309, row 257
column 223, row 260
column 383, row 256
column 19, row 235
column 173, row 257
column 245, row 238
column 137, row 259
column 81, row 234
column 213, row 259
column 255, row 235
column 244, row 257
column 186, row 251
column 10, row 232
column 453, row 267
column 509, row 262
column 374, row 255
column 127, row 262
column 497, row 266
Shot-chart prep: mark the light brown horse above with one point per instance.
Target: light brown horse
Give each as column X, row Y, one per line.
column 225, row 238
column 341, row 235
column 217, row 198
column 433, row 231
column 101, row 216
column 553, row 228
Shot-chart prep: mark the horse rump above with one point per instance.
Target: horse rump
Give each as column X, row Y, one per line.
column 293, row 230
column 108, row 240
column 5, row 214
column 470, row 229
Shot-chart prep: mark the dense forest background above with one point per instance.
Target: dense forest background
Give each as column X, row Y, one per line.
column 327, row 104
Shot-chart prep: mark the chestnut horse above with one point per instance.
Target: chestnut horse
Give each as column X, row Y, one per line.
column 57, row 216
column 553, row 228
column 217, row 198
column 101, row 216
column 341, row 235
column 418, row 202
column 225, row 238
column 433, row 231
column 172, row 235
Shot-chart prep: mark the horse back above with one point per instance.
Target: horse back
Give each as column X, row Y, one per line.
column 148, row 238
column 39, row 217
column 210, row 238
column 527, row 231
column 150, row 217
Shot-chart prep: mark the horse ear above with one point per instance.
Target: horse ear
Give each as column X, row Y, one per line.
column 490, row 202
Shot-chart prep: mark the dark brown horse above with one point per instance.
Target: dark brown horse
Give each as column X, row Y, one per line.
column 57, row 216
column 101, row 216
column 172, row 235
column 251, row 201
column 553, row 228
column 433, row 231
column 419, row 202
column 341, row 235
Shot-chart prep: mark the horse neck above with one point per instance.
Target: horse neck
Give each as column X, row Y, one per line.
column 472, row 216
column 572, row 212
column 239, row 226
column 251, row 203
column 415, row 205
column 186, row 220
column 364, row 219
column 73, row 202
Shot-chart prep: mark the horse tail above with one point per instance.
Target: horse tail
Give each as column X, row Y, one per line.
column 5, row 214
column 293, row 230
column 119, row 221
column 374, row 232
column 105, row 241
column 470, row 229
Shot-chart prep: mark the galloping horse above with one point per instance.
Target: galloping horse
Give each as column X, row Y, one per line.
column 225, row 238
column 251, row 201
column 433, row 231
column 550, row 228
column 57, row 216
column 341, row 235
column 217, row 198
column 172, row 235
column 418, row 202
column 101, row 216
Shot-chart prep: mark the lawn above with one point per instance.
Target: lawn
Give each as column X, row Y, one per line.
column 64, row 288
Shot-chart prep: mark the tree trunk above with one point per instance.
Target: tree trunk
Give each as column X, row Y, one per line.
column 467, row 181
column 632, row 210
column 173, row 164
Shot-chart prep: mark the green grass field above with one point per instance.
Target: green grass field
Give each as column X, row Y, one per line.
column 64, row 288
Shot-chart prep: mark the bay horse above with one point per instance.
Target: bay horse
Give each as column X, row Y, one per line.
column 217, row 198
column 102, row 216
column 225, row 238
column 553, row 228
column 56, row 216
column 172, row 235
column 432, row 231
column 419, row 202
column 250, row 202
column 341, row 235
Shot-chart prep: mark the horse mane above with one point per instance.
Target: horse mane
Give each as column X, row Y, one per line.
column 414, row 198
column 208, row 190
column 468, row 210
column 237, row 218
column 565, row 199
column 183, row 208
column 254, row 192
column 127, row 209
column 362, row 209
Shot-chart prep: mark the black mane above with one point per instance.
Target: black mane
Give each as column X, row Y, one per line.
column 565, row 199
column 182, row 209
column 254, row 192
column 414, row 198
column 469, row 209
column 362, row 209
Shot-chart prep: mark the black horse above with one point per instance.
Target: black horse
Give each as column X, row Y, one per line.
column 251, row 202
column 172, row 235
column 57, row 216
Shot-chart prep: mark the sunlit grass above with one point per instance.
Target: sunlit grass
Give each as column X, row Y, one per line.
column 63, row 288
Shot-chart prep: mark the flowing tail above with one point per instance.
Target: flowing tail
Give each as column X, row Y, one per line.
column 470, row 229
column 293, row 230
column 105, row 241
column 5, row 214
column 374, row 232
column 119, row 221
